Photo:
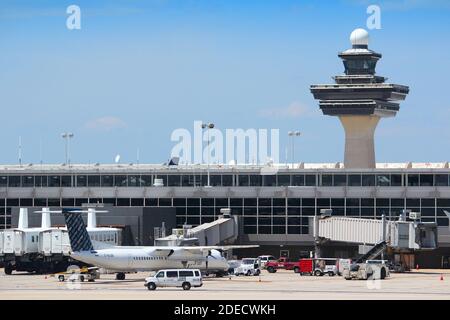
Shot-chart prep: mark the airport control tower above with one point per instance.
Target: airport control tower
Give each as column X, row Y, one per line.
column 359, row 98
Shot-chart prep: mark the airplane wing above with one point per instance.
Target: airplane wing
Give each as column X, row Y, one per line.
column 205, row 249
column 227, row 247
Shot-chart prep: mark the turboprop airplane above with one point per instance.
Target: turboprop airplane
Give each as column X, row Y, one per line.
column 121, row 259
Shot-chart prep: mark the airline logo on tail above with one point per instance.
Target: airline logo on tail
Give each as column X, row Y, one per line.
column 78, row 235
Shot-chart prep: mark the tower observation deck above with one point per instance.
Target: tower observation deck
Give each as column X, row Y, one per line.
column 359, row 98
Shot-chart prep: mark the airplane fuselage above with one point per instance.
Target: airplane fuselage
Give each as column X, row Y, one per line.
column 150, row 259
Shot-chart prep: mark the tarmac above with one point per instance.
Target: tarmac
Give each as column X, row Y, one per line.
column 282, row 285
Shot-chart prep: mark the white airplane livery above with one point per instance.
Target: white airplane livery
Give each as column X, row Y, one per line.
column 123, row 259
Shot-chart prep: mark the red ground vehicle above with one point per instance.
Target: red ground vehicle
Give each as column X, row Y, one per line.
column 319, row 266
column 282, row 263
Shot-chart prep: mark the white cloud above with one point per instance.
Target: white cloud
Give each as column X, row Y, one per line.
column 294, row 110
column 106, row 123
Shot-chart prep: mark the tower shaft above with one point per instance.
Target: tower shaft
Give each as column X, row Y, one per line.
column 359, row 140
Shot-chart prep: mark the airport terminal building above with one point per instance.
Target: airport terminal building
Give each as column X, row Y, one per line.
column 275, row 209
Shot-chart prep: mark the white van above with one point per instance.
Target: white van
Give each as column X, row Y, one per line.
column 185, row 278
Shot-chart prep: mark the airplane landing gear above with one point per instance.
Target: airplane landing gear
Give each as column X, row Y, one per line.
column 120, row 276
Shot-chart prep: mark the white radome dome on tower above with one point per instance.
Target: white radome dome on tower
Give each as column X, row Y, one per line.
column 359, row 37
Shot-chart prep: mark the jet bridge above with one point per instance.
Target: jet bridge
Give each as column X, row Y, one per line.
column 224, row 230
column 398, row 235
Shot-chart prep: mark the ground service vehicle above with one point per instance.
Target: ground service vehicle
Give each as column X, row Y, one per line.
column 365, row 267
column 282, row 263
column 184, row 278
column 319, row 266
column 265, row 259
column 74, row 273
column 248, row 267
column 371, row 270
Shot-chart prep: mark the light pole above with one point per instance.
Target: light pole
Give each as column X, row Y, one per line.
column 292, row 135
column 67, row 136
column 208, row 126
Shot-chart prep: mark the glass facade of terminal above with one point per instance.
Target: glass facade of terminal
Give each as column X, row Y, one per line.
column 226, row 180
column 260, row 215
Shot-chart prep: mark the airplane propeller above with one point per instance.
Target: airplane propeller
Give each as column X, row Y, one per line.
column 209, row 255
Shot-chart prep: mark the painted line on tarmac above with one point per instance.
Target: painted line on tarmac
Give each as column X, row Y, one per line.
column 234, row 290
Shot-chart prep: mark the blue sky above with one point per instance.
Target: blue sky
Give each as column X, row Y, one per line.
column 137, row 70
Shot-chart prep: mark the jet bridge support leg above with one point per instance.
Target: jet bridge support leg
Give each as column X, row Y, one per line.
column 317, row 250
column 317, row 239
column 318, row 243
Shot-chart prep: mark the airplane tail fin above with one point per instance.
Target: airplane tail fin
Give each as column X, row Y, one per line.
column 78, row 235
